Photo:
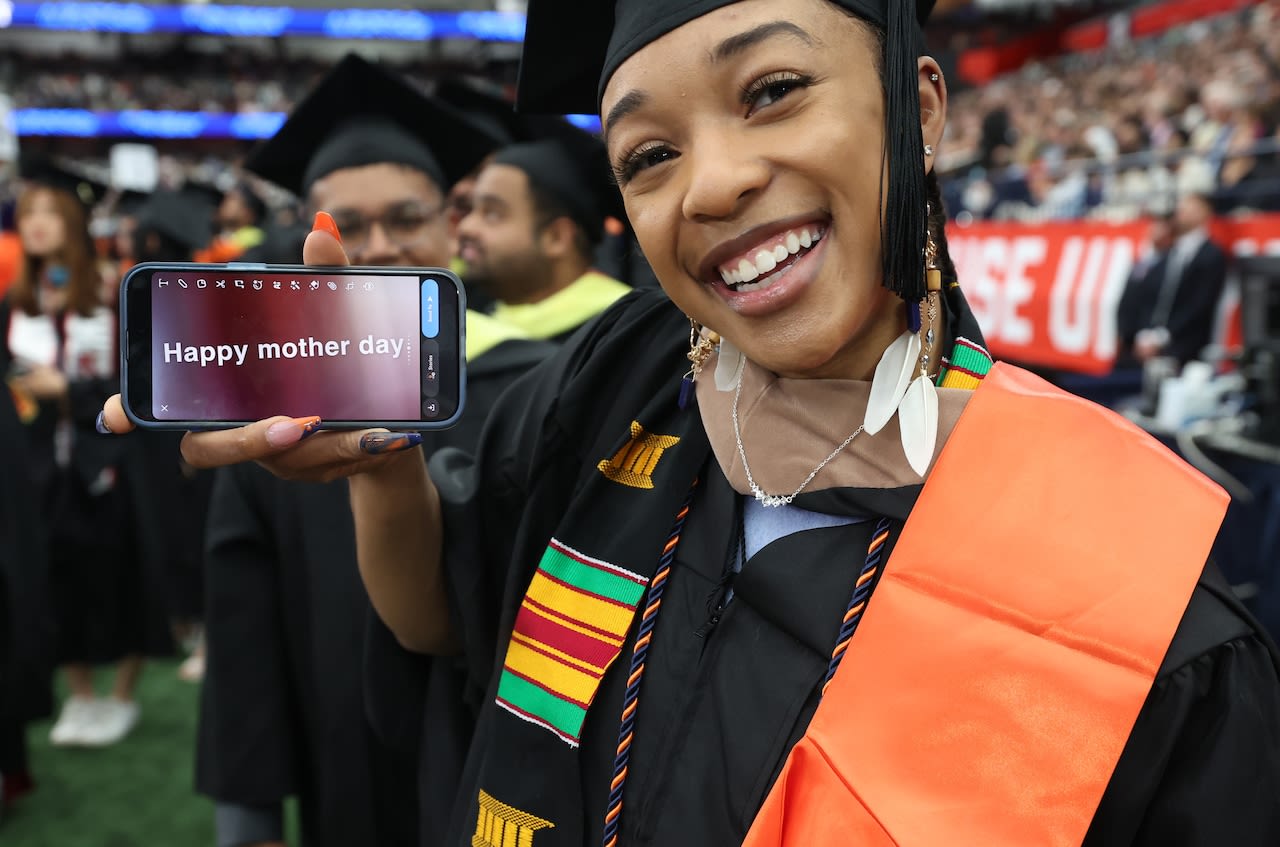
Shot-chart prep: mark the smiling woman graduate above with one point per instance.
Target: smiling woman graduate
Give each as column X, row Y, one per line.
column 848, row 582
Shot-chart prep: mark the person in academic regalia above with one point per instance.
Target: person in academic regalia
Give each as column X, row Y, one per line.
column 536, row 215
column 58, row 349
column 240, row 219
column 538, row 212
column 171, row 499
column 849, row 581
column 26, row 619
column 284, row 709
column 616, row 254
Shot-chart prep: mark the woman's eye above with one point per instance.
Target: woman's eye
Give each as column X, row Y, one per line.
column 770, row 89
column 643, row 159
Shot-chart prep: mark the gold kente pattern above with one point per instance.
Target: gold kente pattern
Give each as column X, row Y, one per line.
column 500, row 825
column 635, row 463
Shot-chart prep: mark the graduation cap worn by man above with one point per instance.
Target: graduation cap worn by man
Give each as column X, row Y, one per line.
column 362, row 114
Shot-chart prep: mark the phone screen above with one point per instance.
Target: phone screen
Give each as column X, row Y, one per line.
column 224, row 345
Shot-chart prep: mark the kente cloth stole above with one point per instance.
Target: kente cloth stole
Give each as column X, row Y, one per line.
column 576, row 619
column 1035, row 635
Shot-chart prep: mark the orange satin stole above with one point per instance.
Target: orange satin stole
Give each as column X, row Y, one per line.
column 1013, row 639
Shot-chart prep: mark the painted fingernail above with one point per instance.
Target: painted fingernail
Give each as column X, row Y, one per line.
column 324, row 223
column 286, row 433
column 101, row 424
column 378, row 443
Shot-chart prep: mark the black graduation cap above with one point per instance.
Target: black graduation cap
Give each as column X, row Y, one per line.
column 42, row 169
column 205, row 193
column 361, row 114
column 564, row 70
column 130, row 202
column 499, row 116
column 178, row 216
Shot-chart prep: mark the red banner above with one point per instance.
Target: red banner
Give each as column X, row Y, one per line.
column 1047, row 294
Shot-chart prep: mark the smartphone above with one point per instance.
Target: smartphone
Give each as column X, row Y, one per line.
column 219, row 346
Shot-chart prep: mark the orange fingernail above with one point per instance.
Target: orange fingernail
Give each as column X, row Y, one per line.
column 324, row 223
column 285, row 433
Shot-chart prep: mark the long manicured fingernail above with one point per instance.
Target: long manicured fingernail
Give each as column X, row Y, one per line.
column 324, row 223
column 101, row 424
column 291, row 432
column 378, row 443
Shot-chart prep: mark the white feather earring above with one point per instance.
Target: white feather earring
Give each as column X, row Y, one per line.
column 902, row 384
column 918, row 414
column 891, row 380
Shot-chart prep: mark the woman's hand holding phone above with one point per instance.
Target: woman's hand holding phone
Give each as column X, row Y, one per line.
column 291, row 448
column 395, row 505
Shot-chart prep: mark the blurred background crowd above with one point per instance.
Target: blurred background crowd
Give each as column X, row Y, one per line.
column 1111, row 169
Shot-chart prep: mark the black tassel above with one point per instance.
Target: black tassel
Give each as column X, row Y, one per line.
column 903, row 236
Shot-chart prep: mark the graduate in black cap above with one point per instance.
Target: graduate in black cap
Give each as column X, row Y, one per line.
column 782, row 557
column 616, row 253
column 538, row 214
column 284, row 710
column 240, row 219
column 172, row 499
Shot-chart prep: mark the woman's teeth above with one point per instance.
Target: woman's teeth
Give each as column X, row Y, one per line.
column 742, row 276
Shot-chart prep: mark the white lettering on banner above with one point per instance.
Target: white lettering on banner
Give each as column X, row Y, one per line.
column 998, row 282
column 1106, row 339
column 1068, row 314
column 1086, row 290
column 1246, row 247
column 1019, row 288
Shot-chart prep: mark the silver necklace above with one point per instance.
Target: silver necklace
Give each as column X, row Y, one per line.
column 774, row 500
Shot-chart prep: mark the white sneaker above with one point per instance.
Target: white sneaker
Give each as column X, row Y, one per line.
column 77, row 713
column 112, row 721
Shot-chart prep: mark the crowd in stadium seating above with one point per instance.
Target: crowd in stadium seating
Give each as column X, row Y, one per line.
column 1119, row 132
column 1126, row 130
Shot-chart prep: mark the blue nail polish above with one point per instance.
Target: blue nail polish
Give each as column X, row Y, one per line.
column 379, row 443
column 101, row 424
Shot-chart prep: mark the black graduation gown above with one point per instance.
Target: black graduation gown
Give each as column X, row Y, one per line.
column 26, row 620
column 283, row 710
column 107, row 600
column 736, row 688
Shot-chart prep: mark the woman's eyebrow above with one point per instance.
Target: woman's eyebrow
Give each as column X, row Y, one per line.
column 732, row 46
column 736, row 44
column 630, row 103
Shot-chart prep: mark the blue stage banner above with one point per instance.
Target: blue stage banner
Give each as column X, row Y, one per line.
column 267, row 21
column 82, row 123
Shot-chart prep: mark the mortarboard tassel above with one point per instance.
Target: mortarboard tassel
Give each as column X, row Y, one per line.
column 903, row 238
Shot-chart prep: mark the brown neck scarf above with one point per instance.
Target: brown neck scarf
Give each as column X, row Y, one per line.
column 790, row 425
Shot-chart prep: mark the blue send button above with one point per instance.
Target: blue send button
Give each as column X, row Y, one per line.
column 430, row 308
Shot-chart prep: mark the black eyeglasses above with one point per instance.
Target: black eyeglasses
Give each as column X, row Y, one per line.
column 404, row 225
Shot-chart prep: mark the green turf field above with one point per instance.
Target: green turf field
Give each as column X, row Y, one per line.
column 136, row 793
